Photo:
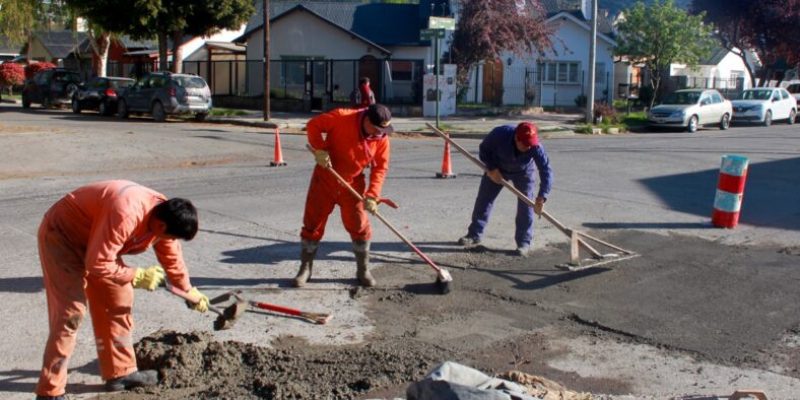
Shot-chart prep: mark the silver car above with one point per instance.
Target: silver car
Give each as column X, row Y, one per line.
column 691, row 108
column 165, row 93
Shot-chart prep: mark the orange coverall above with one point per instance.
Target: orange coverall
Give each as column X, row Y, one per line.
column 350, row 153
column 81, row 240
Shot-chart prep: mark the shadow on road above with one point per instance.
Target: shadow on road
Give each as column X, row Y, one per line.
column 770, row 198
column 28, row 284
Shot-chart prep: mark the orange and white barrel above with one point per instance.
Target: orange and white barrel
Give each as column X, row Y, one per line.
column 730, row 190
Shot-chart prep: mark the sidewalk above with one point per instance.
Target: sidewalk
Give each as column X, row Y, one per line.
column 550, row 124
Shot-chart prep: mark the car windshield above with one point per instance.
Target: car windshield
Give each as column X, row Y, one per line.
column 682, row 98
column 190, row 82
column 120, row 84
column 759, row 94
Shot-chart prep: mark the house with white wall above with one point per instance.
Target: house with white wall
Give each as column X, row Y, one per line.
column 723, row 69
column 319, row 49
column 561, row 75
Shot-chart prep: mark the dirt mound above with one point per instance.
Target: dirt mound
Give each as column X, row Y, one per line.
column 193, row 365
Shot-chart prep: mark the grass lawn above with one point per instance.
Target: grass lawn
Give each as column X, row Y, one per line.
column 227, row 112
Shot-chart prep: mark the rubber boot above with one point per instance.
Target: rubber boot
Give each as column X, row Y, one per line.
column 361, row 250
column 307, row 254
column 133, row 380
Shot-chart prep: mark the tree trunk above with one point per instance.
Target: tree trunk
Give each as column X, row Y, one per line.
column 100, row 59
column 177, row 52
column 162, row 51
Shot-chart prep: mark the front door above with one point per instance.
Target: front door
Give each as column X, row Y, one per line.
column 317, row 83
column 493, row 82
column 370, row 67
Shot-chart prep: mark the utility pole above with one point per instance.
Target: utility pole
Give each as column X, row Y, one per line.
column 592, row 56
column 265, row 59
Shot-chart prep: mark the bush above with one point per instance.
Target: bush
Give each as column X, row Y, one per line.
column 580, row 101
column 606, row 111
column 32, row 69
column 11, row 74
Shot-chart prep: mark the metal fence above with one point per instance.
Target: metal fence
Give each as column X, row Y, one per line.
column 318, row 82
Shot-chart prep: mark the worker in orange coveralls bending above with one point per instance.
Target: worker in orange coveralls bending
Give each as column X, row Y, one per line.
column 354, row 140
column 81, row 240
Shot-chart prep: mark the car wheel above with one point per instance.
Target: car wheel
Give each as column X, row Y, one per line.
column 102, row 108
column 792, row 117
column 158, row 112
column 725, row 122
column 691, row 127
column 76, row 106
column 768, row 118
column 122, row 109
column 26, row 102
column 200, row 117
column 46, row 102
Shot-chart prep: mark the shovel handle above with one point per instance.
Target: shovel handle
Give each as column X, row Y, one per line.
column 191, row 299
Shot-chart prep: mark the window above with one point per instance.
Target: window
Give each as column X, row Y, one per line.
column 785, row 94
column 402, row 70
column 560, row 72
column 716, row 98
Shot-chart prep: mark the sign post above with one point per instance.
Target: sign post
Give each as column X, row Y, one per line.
column 436, row 30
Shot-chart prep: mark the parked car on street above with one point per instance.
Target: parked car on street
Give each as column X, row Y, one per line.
column 99, row 94
column 764, row 105
column 794, row 90
column 50, row 87
column 690, row 109
column 164, row 93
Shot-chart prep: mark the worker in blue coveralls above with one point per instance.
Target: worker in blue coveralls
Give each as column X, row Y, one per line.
column 512, row 153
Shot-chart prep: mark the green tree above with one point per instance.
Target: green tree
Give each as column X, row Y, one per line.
column 176, row 18
column 660, row 34
column 105, row 21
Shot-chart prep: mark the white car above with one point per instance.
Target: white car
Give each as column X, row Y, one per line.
column 794, row 90
column 764, row 105
column 690, row 109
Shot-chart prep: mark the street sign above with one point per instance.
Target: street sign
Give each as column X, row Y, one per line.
column 441, row 23
column 427, row 34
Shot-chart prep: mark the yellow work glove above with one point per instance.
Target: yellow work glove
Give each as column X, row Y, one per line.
column 538, row 206
column 201, row 305
column 148, row 278
column 371, row 204
column 323, row 158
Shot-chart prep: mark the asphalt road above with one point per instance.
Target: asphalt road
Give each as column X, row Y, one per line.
column 625, row 187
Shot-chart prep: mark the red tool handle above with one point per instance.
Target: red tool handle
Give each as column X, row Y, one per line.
column 276, row 308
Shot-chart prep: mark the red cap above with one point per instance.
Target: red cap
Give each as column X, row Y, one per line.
column 527, row 133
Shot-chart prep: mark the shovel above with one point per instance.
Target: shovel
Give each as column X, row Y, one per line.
column 225, row 317
column 316, row 318
column 443, row 277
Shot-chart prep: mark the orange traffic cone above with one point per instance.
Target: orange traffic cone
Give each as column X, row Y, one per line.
column 278, row 161
column 447, row 169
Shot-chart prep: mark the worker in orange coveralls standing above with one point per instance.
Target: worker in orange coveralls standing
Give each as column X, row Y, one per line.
column 81, row 240
column 354, row 140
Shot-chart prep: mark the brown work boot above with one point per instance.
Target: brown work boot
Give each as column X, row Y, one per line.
column 361, row 250
column 307, row 254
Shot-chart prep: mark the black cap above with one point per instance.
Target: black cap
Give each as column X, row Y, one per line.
column 380, row 116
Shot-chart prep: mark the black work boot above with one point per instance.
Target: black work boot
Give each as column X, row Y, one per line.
column 133, row 380
column 361, row 250
column 62, row 397
column 307, row 254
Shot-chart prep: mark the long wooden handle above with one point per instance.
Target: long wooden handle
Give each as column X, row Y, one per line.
column 563, row 228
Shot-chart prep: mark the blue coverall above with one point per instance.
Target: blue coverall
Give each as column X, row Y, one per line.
column 498, row 150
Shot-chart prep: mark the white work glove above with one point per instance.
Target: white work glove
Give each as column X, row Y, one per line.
column 323, row 158
column 371, row 204
column 495, row 176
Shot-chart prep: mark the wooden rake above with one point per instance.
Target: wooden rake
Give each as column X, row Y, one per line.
column 578, row 239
